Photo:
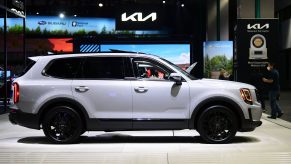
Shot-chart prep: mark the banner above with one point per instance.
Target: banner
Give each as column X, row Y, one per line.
column 256, row 43
column 218, row 59
column 54, row 25
column 71, row 24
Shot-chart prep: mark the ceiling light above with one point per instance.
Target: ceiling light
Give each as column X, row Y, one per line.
column 182, row 5
column 37, row 13
column 62, row 15
column 164, row 2
column 75, row 15
column 100, row 4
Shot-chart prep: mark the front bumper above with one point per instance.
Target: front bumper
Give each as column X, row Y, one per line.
column 24, row 119
column 254, row 120
column 249, row 125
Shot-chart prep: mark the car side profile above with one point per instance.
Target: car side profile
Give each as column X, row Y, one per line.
column 66, row 95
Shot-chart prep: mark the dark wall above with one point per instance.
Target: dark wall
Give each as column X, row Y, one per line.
column 283, row 8
column 199, row 35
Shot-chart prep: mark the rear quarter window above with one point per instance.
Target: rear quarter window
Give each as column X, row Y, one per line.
column 65, row 68
column 28, row 67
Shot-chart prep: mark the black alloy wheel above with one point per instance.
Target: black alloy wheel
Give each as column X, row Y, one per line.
column 217, row 124
column 62, row 125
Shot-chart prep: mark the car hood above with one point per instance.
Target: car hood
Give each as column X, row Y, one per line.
column 214, row 83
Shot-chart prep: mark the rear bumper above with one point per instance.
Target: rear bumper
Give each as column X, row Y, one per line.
column 24, row 119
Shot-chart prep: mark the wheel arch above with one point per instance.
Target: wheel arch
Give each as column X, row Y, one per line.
column 67, row 102
column 232, row 105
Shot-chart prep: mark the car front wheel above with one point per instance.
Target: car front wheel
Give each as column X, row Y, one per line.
column 217, row 124
column 62, row 125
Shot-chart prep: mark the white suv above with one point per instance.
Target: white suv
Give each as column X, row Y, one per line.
column 66, row 95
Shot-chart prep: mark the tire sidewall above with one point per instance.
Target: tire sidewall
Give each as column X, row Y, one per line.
column 52, row 113
column 230, row 116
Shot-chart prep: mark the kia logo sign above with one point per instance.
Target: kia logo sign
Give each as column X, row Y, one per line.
column 42, row 22
column 138, row 17
column 258, row 26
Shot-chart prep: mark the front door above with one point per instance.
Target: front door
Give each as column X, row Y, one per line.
column 155, row 97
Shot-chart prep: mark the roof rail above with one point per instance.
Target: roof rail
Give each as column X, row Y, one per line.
column 123, row 51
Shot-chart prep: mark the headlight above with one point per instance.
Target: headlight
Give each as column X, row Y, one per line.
column 246, row 95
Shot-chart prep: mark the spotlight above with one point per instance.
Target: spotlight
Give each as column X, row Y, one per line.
column 182, row 5
column 37, row 13
column 100, row 4
column 62, row 15
column 75, row 15
column 164, row 2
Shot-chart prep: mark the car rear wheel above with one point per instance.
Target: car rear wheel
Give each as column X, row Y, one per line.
column 217, row 124
column 62, row 125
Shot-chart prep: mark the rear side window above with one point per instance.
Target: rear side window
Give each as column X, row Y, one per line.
column 103, row 68
column 66, row 68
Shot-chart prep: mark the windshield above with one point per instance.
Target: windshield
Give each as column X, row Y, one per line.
column 180, row 69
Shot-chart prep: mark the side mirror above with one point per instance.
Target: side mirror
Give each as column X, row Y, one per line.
column 176, row 78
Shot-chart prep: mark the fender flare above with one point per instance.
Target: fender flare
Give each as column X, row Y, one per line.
column 219, row 100
column 62, row 100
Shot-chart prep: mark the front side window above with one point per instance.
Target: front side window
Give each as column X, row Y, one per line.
column 103, row 68
column 63, row 68
column 150, row 70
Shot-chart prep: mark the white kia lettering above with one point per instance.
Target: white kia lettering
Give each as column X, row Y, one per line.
column 258, row 26
column 138, row 17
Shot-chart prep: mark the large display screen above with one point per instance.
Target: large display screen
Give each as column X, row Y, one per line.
column 54, row 25
column 58, row 25
column 44, row 45
column 57, row 45
column 178, row 54
column 218, row 59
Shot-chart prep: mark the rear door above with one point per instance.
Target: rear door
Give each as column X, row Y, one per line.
column 102, row 90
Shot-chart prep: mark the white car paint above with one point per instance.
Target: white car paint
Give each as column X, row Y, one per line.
column 119, row 99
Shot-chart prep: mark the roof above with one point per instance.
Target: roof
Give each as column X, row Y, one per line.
column 35, row 58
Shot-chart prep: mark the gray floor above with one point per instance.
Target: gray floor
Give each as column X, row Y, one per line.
column 285, row 103
column 270, row 143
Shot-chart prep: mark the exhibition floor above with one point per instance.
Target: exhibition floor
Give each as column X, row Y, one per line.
column 269, row 143
column 284, row 103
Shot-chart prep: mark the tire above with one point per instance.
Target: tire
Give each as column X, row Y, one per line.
column 217, row 125
column 62, row 125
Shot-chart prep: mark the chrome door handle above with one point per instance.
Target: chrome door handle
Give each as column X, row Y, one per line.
column 81, row 89
column 141, row 89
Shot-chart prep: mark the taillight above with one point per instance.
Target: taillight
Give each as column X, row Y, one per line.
column 15, row 93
